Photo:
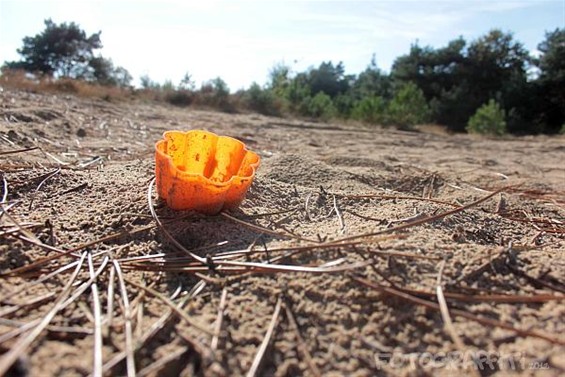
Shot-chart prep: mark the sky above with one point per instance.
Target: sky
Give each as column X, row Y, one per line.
column 240, row 41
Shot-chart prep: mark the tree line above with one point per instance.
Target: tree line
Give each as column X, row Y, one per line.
column 488, row 85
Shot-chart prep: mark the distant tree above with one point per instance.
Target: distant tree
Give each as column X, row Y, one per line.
column 297, row 93
column 104, row 72
column 60, row 50
column 279, row 78
column 497, row 68
column 328, row 79
column 459, row 78
column 371, row 82
column 439, row 74
column 187, row 83
column 220, row 87
column 550, row 85
column 65, row 50
column 147, row 83
column 122, row 77
column 496, row 57
column 168, row 85
column 552, row 60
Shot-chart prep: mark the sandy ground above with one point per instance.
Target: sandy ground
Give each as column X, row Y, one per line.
column 363, row 307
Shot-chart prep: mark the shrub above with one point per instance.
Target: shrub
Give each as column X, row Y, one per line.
column 19, row 79
column 262, row 101
column 216, row 94
column 370, row 109
column 344, row 104
column 488, row 120
column 319, row 106
column 181, row 97
column 408, row 107
column 297, row 94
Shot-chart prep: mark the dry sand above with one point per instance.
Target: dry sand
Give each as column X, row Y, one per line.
column 510, row 245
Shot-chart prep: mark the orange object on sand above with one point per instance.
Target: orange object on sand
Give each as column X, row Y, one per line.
column 202, row 171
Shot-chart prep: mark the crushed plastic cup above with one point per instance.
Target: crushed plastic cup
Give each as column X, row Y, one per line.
column 199, row 170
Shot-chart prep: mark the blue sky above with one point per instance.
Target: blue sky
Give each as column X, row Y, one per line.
column 241, row 40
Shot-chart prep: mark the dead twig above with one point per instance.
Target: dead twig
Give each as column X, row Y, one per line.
column 47, row 177
column 409, row 219
column 398, row 197
column 302, row 346
column 482, row 320
column 4, row 189
column 28, row 285
column 182, row 315
column 22, row 327
column 219, row 320
column 110, row 302
column 32, row 303
column 306, row 205
column 84, row 286
column 97, row 366
column 22, row 229
column 264, row 214
column 154, row 368
column 160, row 225
column 499, row 298
column 36, row 301
column 364, row 217
column 266, row 340
column 72, row 189
column 155, row 327
column 4, row 153
column 62, row 253
column 289, row 268
column 265, row 230
column 339, row 216
column 130, row 361
column 421, row 221
column 447, row 323
column 533, row 280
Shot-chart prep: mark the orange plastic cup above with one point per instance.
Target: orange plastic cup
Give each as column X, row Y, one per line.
column 199, row 170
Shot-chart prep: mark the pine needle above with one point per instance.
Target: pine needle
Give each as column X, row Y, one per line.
column 165, row 231
column 266, row 340
column 97, row 367
column 302, row 346
column 130, row 361
column 461, row 313
column 219, row 320
column 172, row 305
column 23, row 343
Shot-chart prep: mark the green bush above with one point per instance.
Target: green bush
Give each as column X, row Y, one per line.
column 262, row 101
column 344, row 104
column 319, row 106
column 408, row 107
column 297, row 94
column 488, row 120
column 371, row 110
